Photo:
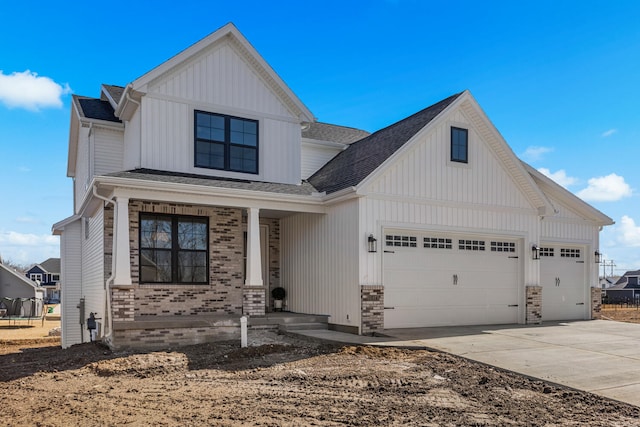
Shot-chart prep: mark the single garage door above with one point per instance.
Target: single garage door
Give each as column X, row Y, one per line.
column 441, row 280
column 563, row 280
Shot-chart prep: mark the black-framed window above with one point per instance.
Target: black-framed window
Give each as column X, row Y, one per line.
column 174, row 249
column 459, row 145
column 226, row 142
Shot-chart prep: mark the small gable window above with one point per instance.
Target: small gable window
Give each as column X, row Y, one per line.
column 226, row 142
column 459, row 145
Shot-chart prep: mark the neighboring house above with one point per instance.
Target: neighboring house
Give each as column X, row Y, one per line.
column 206, row 182
column 607, row 282
column 14, row 286
column 626, row 289
column 47, row 275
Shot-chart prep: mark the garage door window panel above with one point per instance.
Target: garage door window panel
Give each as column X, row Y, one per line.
column 401, row 241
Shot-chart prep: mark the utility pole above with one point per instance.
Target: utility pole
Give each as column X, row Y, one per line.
column 606, row 264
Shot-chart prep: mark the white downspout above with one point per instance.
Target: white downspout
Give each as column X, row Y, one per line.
column 109, row 322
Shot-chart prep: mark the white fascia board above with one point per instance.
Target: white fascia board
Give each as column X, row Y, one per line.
column 58, row 227
column 74, row 134
column 106, row 93
column 342, row 195
column 570, row 199
column 323, row 144
column 102, row 123
column 214, row 196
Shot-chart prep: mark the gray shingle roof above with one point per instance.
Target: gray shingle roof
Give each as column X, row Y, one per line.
column 328, row 132
column 305, row 189
column 624, row 279
column 115, row 92
column 361, row 158
column 52, row 265
column 93, row 108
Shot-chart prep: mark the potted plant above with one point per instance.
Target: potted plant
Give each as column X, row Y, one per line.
column 278, row 295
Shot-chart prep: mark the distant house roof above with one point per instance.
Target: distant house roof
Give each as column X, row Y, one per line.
column 52, row 265
column 328, row 132
column 623, row 281
column 92, row 108
column 362, row 157
column 305, row 189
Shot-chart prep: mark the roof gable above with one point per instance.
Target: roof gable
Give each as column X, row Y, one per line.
column 351, row 166
column 230, row 34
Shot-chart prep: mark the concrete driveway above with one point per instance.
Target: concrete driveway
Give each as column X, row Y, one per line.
column 598, row 356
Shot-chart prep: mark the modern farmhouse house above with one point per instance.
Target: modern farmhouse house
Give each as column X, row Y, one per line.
column 205, row 183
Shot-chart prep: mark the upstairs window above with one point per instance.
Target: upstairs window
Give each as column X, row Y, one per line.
column 459, row 145
column 226, row 142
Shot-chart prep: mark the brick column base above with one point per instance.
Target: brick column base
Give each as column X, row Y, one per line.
column 122, row 304
column 372, row 308
column 596, row 303
column 253, row 301
column 534, row 305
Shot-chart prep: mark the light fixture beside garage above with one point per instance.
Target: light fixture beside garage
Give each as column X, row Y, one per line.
column 598, row 257
column 372, row 243
column 535, row 252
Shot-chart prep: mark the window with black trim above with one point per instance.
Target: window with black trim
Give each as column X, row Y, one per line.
column 226, row 142
column 459, row 145
column 174, row 249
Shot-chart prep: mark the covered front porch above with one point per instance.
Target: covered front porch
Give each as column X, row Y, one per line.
column 150, row 301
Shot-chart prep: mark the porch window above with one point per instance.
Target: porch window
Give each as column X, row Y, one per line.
column 174, row 249
column 226, row 142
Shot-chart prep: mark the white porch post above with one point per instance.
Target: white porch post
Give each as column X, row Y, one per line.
column 254, row 257
column 253, row 295
column 121, row 250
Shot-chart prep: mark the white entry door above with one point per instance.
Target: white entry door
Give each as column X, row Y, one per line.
column 436, row 279
column 564, row 282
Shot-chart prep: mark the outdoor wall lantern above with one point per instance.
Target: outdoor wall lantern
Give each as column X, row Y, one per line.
column 535, row 252
column 598, row 257
column 372, row 243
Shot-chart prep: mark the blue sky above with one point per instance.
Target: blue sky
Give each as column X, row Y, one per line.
column 559, row 79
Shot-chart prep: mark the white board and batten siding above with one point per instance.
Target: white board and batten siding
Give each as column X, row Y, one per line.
column 320, row 263
column 219, row 80
column 423, row 190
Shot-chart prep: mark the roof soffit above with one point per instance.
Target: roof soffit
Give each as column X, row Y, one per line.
column 568, row 199
column 227, row 34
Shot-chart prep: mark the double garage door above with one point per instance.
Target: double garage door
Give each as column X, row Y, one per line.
column 446, row 279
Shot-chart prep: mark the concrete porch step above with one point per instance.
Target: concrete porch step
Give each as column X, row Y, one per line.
column 303, row 326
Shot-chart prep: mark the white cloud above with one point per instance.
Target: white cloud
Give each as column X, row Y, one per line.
column 533, row 153
column 25, row 248
column 29, row 91
column 628, row 232
column 559, row 177
column 609, row 133
column 608, row 188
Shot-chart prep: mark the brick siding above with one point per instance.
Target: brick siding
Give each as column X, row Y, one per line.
column 372, row 308
column 534, row 305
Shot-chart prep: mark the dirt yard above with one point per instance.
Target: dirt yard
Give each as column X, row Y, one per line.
column 280, row 381
column 621, row 314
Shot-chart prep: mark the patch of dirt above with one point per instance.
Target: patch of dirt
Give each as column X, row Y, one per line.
column 283, row 381
column 621, row 314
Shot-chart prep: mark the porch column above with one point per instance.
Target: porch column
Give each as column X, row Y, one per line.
column 253, row 295
column 254, row 257
column 121, row 250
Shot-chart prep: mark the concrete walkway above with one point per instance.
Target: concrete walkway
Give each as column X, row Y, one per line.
column 598, row 356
